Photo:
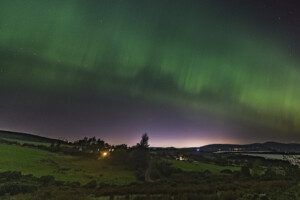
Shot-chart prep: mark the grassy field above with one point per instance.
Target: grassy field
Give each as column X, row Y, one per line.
column 200, row 166
column 62, row 167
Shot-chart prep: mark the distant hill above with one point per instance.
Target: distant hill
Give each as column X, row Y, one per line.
column 25, row 137
column 256, row 147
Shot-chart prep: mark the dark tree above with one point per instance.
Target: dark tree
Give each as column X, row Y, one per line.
column 144, row 143
column 121, row 146
column 120, row 157
column 100, row 143
column 140, row 158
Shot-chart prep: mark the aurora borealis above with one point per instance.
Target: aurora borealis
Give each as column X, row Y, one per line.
column 187, row 72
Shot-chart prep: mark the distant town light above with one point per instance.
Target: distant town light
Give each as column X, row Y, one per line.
column 182, row 158
column 104, row 154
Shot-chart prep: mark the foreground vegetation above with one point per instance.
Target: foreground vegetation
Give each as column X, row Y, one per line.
column 202, row 167
column 80, row 170
column 62, row 167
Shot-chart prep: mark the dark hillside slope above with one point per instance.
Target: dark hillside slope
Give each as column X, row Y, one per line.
column 9, row 135
column 256, row 147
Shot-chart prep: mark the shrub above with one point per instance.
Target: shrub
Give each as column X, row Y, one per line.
column 11, row 175
column 47, row 180
column 207, row 173
column 226, row 171
column 139, row 174
column 270, row 174
column 120, row 157
column 161, row 169
column 228, row 196
column 74, row 184
column 14, row 189
column 245, row 171
column 91, row 185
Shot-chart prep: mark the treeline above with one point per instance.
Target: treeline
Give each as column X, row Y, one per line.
column 85, row 146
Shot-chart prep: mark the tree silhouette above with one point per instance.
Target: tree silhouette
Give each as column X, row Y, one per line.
column 144, row 143
column 140, row 158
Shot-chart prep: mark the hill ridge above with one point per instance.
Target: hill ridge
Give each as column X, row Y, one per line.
column 4, row 134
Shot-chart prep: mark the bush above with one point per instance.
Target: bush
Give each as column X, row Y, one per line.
column 60, row 183
column 207, row 173
column 47, row 180
column 139, row 174
column 14, row 189
column 270, row 174
column 139, row 158
column 120, row 157
column 228, row 196
column 91, row 185
column 160, row 169
column 226, row 171
column 74, row 184
column 11, row 175
column 245, row 171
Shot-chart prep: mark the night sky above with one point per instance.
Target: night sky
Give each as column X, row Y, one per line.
column 187, row 72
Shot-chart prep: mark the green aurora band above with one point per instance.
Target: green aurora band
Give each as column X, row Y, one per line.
column 189, row 54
